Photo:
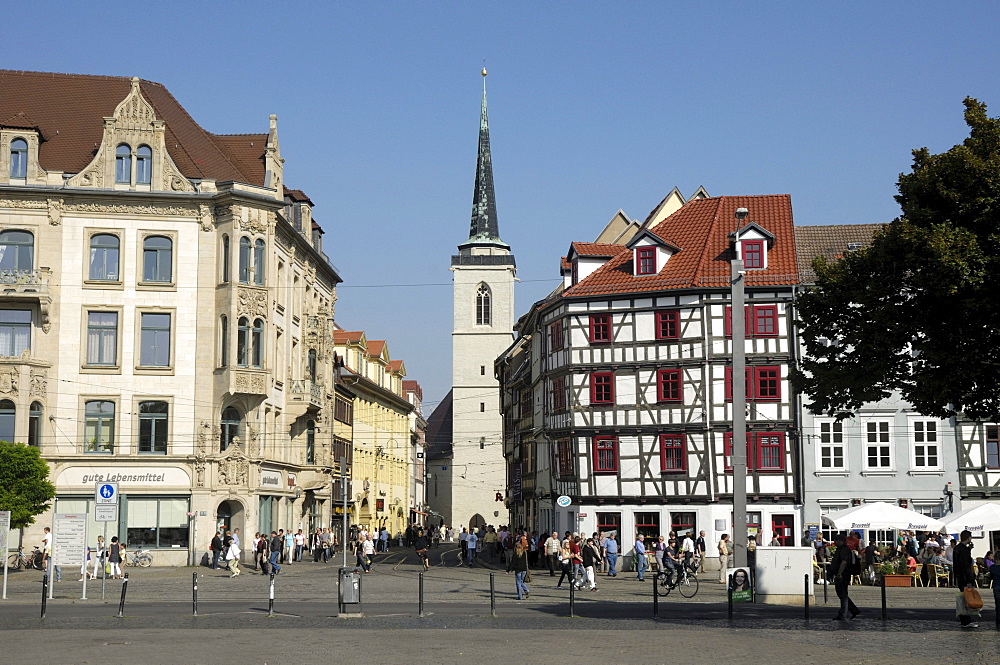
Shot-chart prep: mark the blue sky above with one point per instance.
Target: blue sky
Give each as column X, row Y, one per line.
column 593, row 107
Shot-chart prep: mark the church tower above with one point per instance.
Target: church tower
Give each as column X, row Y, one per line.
column 483, row 283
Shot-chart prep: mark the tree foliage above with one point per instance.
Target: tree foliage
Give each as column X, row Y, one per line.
column 25, row 489
column 918, row 311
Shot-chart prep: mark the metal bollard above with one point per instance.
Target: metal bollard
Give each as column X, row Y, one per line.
column 270, row 597
column 729, row 596
column 885, row 612
column 121, row 603
column 805, row 594
column 826, row 583
column 194, row 594
column 656, row 599
column 45, row 592
column 420, row 604
column 572, row 600
column 493, row 595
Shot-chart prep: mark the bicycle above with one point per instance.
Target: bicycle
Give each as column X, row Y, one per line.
column 22, row 560
column 684, row 580
column 140, row 558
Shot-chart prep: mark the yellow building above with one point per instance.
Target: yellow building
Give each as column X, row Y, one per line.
column 380, row 488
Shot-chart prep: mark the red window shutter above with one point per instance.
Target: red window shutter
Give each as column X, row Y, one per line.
column 673, row 453
column 605, row 455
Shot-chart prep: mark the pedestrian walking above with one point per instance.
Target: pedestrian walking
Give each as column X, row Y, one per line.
column 519, row 566
column 725, row 551
column 591, row 560
column 565, row 563
column 216, row 548
column 846, row 562
column 552, row 546
column 611, row 553
column 115, row 558
column 275, row 546
column 98, row 558
column 965, row 575
column 640, row 557
column 233, row 557
column 471, row 541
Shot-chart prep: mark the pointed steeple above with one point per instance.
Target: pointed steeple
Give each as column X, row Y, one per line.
column 483, row 229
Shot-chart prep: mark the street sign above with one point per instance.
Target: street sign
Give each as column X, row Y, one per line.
column 564, row 501
column 4, row 530
column 105, row 513
column 69, row 539
column 106, row 494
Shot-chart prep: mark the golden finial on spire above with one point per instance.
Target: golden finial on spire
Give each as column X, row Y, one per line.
column 484, row 71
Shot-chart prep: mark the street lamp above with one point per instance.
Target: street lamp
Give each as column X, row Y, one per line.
column 739, row 436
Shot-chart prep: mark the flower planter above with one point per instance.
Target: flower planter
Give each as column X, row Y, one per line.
column 897, row 580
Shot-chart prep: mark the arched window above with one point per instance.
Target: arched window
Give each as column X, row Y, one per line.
column 153, row 427
column 7, row 418
column 244, row 260
column 312, row 365
column 224, row 341
column 226, row 259
column 258, row 262
column 483, row 313
column 243, row 342
column 257, row 344
column 231, row 427
column 123, row 164
column 310, row 442
column 18, row 158
column 99, row 427
column 157, row 259
column 16, row 251
column 35, row 424
column 104, row 257
column 143, row 165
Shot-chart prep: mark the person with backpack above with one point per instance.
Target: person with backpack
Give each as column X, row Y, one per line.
column 845, row 563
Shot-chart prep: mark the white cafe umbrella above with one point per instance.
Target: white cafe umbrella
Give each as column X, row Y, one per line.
column 984, row 517
column 881, row 516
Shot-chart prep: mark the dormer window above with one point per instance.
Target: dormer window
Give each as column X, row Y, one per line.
column 645, row 261
column 123, row 165
column 575, row 272
column 143, row 165
column 753, row 254
column 18, row 158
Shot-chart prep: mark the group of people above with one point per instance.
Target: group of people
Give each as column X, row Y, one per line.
column 103, row 560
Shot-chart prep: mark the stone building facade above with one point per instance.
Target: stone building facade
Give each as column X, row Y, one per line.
column 167, row 314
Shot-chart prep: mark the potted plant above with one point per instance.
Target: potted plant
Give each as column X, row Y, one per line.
column 895, row 573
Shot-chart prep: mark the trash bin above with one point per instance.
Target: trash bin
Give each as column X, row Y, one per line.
column 350, row 591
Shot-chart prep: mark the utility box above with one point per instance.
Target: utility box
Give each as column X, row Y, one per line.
column 784, row 575
column 349, row 592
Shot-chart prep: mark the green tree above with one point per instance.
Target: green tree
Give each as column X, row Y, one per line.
column 918, row 311
column 25, row 489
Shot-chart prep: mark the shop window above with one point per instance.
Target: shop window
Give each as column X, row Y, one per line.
column 157, row 522
column 647, row 527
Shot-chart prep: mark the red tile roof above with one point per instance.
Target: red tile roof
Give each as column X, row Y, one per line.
column 343, row 337
column 297, row 195
column 830, row 241
column 375, row 347
column 69, row 109
column 700, row 229
column 599, row 249
column 395, row 365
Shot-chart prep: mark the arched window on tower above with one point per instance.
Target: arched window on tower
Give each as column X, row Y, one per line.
column 483, row 307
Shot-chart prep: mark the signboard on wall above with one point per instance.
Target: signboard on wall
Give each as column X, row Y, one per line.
column 270, row 479
column 516, row 482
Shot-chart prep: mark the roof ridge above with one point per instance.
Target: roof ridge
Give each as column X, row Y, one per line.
column 107, row 77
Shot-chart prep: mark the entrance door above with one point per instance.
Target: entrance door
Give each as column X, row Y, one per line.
column 784, row 527
column 230, row 514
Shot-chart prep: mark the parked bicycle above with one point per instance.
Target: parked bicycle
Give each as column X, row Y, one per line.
column 683, row 579
column 22, row 560
column 138, row 557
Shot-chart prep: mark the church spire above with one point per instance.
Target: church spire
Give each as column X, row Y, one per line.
column 484, row 228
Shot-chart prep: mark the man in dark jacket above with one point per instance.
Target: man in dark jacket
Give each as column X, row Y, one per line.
column 216, row 548
column 277, row 545
column 845, row 562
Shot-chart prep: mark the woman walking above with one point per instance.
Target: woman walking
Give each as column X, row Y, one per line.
column 98, row 558
column 565, row 563
column 115, row 558
column 519, row 566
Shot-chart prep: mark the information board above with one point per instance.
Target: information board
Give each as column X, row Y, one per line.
column 105, row 513
column 4, row 531
column 69, row 539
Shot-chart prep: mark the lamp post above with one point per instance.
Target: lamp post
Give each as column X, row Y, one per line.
column 739, row 390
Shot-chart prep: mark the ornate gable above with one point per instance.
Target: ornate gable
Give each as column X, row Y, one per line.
column 134, row 123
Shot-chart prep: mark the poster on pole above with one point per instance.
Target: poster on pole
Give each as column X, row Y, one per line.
column 740, row 584
column 69, row 539
column 4, row 531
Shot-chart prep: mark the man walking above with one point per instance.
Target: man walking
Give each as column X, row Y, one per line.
column 277, row 545
column 964, row 573
column 470, row 547
column 216, row 548
column 611, row 553
column 725, row 551
column 699, row 550
column 640, row 558
column 552, row 552
column 845, row 562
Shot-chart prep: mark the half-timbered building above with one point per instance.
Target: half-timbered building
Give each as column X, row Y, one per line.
column 617, row 391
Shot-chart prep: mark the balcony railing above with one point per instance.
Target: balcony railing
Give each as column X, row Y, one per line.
column 32, row 283
column 302, row 390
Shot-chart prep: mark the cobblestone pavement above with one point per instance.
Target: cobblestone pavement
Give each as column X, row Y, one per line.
column 158, row 625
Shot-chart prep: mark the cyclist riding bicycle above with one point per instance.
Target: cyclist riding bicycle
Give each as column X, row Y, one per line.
column 420, row 545
column 672, row 561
